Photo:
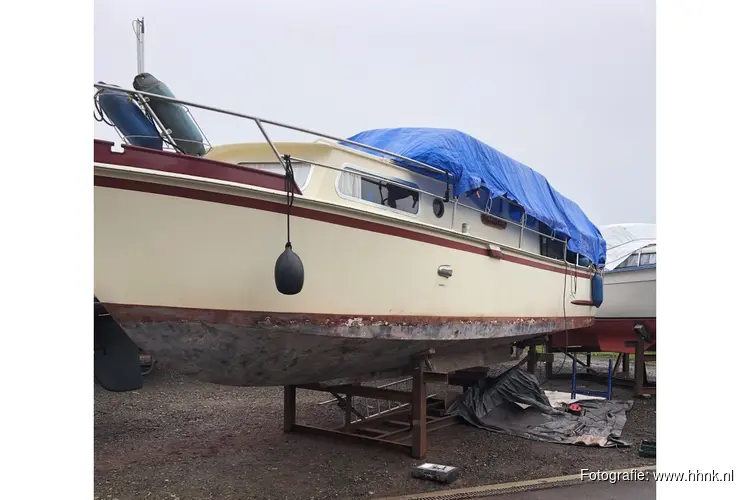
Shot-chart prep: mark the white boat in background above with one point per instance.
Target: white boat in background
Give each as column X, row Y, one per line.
column 629, row 288
column 630, row 272
column 396, row 245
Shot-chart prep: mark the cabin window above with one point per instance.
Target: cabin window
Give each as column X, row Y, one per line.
column 301, row 170
column 379, row 192
column 631, row 261
column 648, row 259
column 571, row 257
column 550, row 247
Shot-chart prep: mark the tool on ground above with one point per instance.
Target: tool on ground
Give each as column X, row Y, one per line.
column 647, row 449
column 435, row 472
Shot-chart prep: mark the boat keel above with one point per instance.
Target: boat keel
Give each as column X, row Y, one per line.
column 117, row 361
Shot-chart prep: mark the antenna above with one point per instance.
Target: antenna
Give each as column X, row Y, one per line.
column 139, row 28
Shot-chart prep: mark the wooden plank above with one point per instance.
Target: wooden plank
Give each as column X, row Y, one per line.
column 290, row 407
column 397, row 423
column 403, row 435
column 319, row 431
column 436, row 378
column 436, row 425
column 371, row 431
column 419, row 414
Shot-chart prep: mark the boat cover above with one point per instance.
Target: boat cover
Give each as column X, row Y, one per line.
column 624, row 239
column 474, row 164
column 513, row 403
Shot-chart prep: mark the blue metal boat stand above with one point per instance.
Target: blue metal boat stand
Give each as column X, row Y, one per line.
column 574, row 390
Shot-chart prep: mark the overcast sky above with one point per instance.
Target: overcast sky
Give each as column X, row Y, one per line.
column 566, row 87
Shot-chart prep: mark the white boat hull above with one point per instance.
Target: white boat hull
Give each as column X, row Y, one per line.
column 629, row 294
column 186, row 268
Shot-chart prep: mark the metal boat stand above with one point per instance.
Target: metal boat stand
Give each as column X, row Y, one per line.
column 642, row 385
column 402, row 428
column 639, row 383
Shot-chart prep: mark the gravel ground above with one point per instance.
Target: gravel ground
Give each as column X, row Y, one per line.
column 181, row 439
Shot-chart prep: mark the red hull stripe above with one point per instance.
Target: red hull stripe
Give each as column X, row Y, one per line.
column 150, row 314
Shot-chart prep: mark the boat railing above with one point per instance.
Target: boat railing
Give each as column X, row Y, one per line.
column 261, row 121
column 165, row 134
column 143, row 98
column 143, row 101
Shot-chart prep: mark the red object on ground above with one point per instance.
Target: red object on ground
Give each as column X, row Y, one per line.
column 575, row 409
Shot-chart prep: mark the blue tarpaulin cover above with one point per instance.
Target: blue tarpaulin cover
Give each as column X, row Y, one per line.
column 475, row 165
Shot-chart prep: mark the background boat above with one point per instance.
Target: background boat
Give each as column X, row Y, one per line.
column 630, row 291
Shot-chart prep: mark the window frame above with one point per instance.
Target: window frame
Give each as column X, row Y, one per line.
column 638, row 265
column 640, row 259
column 361, row 171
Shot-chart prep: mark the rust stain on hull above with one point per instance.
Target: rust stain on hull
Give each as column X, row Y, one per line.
column 259, row 348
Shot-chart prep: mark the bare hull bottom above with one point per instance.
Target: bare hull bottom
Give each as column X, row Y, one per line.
column 263, row 349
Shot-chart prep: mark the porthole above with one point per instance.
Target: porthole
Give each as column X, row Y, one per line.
column 438, row 207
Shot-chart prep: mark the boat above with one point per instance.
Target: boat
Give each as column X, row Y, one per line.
column 340, row 259
column 630, row 287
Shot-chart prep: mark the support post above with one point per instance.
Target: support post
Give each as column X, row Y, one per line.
column 573, row 378
column 531, row 361
column 290, row 407
column 419, row 414
column 640, row 366
column 550, row 359
column 626, row 364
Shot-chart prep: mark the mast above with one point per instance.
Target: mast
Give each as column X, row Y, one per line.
column 139, row 28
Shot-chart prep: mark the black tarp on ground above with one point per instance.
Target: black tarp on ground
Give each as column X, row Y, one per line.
column 492, row 406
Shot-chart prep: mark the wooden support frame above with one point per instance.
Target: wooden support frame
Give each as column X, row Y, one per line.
column 418, row 413
column 534, row 357
column 403, row 428
column 642, row 387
